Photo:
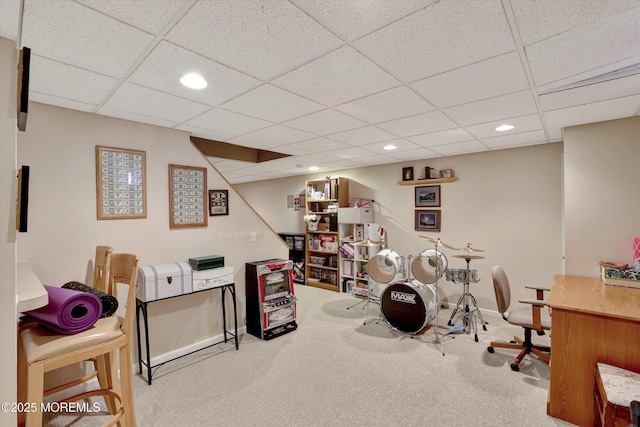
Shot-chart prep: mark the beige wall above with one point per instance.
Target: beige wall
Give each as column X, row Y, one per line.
column 507, row 202
column 602, row 187
column 8, row 191
column 63, row 231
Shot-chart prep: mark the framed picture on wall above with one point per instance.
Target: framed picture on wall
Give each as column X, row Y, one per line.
column 407, row 173
column 121, row 183
column 427, row 220
column 427, row 196
column 187, row 196
column 218, row 202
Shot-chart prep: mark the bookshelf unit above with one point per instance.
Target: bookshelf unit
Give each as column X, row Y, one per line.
column 323, row 198
column 296, row 243
column 354, row 275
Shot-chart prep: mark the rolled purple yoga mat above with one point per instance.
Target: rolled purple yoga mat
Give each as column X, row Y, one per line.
column 68, row 312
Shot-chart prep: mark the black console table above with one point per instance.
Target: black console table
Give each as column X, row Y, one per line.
column 141, row 306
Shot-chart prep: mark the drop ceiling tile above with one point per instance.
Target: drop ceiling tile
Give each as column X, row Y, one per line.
column 516, row 139
column 290, row 149
column 228, row 122
column 139, row 13
column 544, row 18
column 486, row 79
column 487, row 110
column 355, row 18
column 401, row 144
column 336, row 165
column 439, row 38
column 60, row 102
column 271, row 103
column 135, row 117
column 349, row 153
column 162, row 69
column 420, row 153
column 591, row 113
column 230, row 164
column 337, row 77
column 65, row 81
column 74, row 34
column 262, row 38
column 325, row 122
column 593, row 93
column 459, row 148
column 388, row 105
column 594, row 45
column 207, row 133
column 315, row 159
column 521, row 124
column 442, row 137
column 419, row 124
column 365, row 135
column 272, row 137
column 134, row 98
column 377, row 159
column 318, row 145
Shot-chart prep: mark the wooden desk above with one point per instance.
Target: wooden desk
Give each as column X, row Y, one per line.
column 590, row 322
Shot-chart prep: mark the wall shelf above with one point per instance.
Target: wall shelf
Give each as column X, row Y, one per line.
column 428, row 181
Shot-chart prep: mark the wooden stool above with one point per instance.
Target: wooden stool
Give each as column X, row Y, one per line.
column 614, row 391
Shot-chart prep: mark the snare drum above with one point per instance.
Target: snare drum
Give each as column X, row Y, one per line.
column 409, row 307
column 459, row 275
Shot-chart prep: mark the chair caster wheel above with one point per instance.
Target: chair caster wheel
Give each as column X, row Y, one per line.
column 491, row 350
column 515, row 367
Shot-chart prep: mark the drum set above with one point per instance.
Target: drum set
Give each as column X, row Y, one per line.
column 408, row 297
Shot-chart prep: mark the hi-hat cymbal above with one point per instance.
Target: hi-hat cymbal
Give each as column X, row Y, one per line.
column 437, row 241
column 368, row 242
column 468, row 256
column 468, row 248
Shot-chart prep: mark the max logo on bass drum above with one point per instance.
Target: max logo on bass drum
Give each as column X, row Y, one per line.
column 402, row 297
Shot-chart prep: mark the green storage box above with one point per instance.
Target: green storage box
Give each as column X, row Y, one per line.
column 206, row 262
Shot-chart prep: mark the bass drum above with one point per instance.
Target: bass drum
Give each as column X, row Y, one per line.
column 409, row 308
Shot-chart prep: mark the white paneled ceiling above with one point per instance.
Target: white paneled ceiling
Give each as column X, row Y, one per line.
column 331, row 82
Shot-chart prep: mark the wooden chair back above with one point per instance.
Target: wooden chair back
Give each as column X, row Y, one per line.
column 124, row 269
column 501, row 288
column 101, row 265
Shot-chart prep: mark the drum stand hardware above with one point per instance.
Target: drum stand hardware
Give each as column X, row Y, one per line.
column 438, row 336
column 467, row 307
column 370, row 299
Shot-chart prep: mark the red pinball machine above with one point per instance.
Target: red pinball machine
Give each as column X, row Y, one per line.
column 271, row 301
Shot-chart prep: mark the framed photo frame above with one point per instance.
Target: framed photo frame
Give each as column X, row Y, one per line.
column 427, row 220
column 187, row 196
column 121, row 183
column 446, row 173
column 218, row 202
column 407, row 173
column 427, row 196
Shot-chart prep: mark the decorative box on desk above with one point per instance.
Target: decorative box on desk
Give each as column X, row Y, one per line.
column 160, row 281
column 628, row 278
column 206, row 262
column 212, row 278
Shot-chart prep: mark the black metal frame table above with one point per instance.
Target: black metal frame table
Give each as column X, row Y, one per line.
column 142, row 306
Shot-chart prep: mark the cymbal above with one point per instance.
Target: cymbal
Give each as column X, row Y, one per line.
column 437, row 241
column 368, row 242
column 468, row 248
column 468, row 256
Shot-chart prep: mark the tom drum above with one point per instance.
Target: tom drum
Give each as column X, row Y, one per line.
column 409, row 307
column 386, row 266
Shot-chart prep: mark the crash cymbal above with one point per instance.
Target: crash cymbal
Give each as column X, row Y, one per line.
column 437, row 241
column 468, row 248
column 468, row 256
column 368, row 242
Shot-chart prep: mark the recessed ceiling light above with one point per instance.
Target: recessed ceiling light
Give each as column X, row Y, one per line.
column 193, row 81
column 390, row 147
column 503, row 128
column 313, row 168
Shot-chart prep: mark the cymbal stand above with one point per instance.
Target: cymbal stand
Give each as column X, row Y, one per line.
column 437, row 336
column 467, row 307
